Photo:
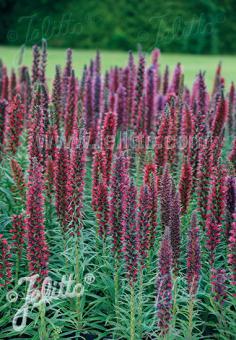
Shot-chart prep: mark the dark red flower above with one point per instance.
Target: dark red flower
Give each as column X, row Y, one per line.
column 150, row 179
column 37, row 250
column 220, row 116
column 174, row 226
column 108, row 140
column 185, row 185
column 193, row 257
column 36, row 64
column 231, row 108
column 143, row 222
column 162, row 141
column 57, row 98
column 232, row 251
column 216, row 210
column 165, row 198
column 130, row 232
column 75, row 183
column 61, row 177
column 18, row 231
column 232, row 155
column 5, row 264
column 139, row 87
column 71, row 107
column 15, row 119
column 118, row 188
column 18, row 177
column 218, row 284
column 204, row 176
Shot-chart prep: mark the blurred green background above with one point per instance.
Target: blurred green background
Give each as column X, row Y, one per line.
column 183, row 26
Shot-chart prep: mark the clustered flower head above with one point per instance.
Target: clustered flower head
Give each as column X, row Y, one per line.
column 220, row 116
column 5, row 264
column 204, row 177
column 185, row 185
column 98, row 174
column 71, row 107
column 232, row 251
column 193, row 257
column 14, row 123
column 165, row 197
column 230, row 202
column 232, row 155
column 174, row 225
column 119, row 181
column 218, row 282
column 75, row 182
column 130, row 235
column 100, row 192
column 108, row 141
column 216, row 210
column 61, row 178
column 143, row 222
column 18, row 177
column 37, row 249
column 138, row 89
column 56, row 97
column 161, row 141
column 3, row 106
column 231, row 107
column 151, row 180
column 18, row 231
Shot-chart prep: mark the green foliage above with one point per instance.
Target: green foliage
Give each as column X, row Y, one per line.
column 206, row 26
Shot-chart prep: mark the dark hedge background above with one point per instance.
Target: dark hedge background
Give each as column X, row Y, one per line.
column 205, row 26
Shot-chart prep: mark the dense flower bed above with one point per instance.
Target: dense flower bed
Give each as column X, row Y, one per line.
column 128, row 176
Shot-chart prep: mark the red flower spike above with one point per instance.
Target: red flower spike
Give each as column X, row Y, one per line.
column 151, row 179
column 5, row 264
column 165, row 198
column 204, row 176
column 37, row 250
column 174, row 225
column 18, row 177
column 61, row 178
column 108, row 140
column 218, row 284
column 185, row 185
column 14, row 127
column 143, row 222
column 18, row 231
column 118, row 188
column 75, row 183
column 130, row 233
column 232, row 252
column 193, row 257
column 232, row 155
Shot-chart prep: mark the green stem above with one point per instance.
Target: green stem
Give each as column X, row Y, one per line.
column 97, row 239
column 42, row 327
column 140, row 305
column 132, row 314
column 190, row 315
column 104, row 246
column 116, row 288
column 66, row 261
column 175, row 297
column 77, row 273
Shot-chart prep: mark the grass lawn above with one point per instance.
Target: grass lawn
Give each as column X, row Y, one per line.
column 192, row 63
